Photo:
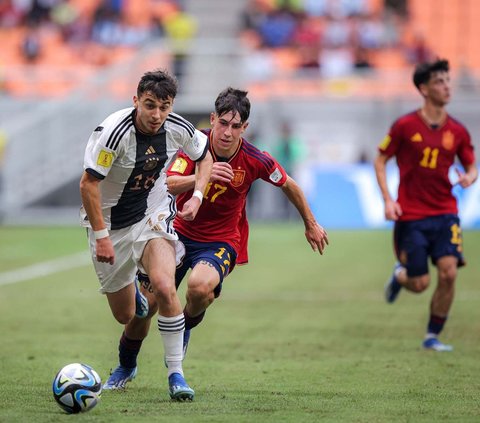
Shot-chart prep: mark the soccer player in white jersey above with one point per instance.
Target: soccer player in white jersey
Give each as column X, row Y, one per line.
column 129, row 212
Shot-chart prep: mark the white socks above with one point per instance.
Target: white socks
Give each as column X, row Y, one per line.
column 172, row 329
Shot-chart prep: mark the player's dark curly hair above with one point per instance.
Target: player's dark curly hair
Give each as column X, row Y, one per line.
column 160, row 83
column 423, row 71
column 233, row 100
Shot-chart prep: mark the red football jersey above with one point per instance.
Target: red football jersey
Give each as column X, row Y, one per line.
column 222, row 215
column 424, row 156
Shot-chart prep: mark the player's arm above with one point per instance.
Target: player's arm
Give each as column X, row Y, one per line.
column 221, row 171
column 177, row 184
column 91, row 199
column 469, row 177
column 392, row 209
column 203, row 169
column 315, row 234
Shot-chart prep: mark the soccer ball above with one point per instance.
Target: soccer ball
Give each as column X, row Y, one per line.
column 77, row 388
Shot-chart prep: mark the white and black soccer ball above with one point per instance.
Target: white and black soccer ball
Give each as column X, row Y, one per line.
column 77, row 388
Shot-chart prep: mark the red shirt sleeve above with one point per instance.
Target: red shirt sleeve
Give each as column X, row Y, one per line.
column 182, row 165
column 271, row 171
column 391, row 142
column 465, row 150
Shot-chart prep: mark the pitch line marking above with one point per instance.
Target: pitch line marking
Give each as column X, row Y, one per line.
column 46, row 268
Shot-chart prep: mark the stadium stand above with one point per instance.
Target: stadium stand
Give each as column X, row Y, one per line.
column 451, row 26
column 353, row 40
column 73, row 39
column 315, row 41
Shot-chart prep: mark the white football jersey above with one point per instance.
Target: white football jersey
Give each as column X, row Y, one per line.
column 130, row 164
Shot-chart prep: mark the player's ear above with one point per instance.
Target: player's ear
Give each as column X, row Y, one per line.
column 423, row 90
column 244, row 126
column 135, row 101
column 212, row 118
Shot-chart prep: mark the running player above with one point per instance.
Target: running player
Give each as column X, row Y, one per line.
column 129, row 212
column 425, row 144
column 217, row 239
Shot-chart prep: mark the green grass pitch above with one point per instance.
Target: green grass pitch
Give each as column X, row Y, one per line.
column 294, row 337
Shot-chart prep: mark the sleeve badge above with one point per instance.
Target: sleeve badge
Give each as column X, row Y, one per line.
column 179, row 165
column 105, row 158
column 385, row 142
column 276, row 175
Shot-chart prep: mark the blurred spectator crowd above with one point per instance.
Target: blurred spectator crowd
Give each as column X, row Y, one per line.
column 88, row 29
column 331, row 38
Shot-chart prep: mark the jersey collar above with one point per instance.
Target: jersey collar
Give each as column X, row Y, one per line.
column 429, row 125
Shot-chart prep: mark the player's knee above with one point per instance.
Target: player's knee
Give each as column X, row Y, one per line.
column 163, row 289
column 199, row 292
column 448, row 275
column 124, row 316
column 447, row 270
column 420, row 284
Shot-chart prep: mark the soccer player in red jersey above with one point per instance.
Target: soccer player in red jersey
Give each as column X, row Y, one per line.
column 217, row 240
column 425, row 144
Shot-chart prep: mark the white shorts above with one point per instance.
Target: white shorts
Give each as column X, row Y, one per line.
column 128, row 244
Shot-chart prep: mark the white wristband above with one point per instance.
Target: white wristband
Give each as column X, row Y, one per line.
column 102, row 233
column 197, row 193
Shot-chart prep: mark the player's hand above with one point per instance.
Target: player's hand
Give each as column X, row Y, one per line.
column 221, row 171
column 105, row 251
column 392, row 210
column 190, row 209
column 464, row 179
column 316, row 237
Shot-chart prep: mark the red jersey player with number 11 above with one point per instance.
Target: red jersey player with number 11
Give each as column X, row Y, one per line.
column 217, row 239
column 425, row 144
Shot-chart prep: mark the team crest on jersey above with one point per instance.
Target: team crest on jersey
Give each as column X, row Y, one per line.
column 150, row 163
column 105, row 158
column 417, row 137
column 448, row 140
column 276, row 175
column 238, row 177
column 179, row 165
column 385, row 142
